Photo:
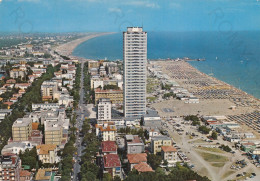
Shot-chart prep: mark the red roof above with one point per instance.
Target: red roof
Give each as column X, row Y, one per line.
column 108, row 146
column 137, row 158
column 168, row 149
column 24, row 173
column 111, row 161
column 8, row 103
column 143, row 167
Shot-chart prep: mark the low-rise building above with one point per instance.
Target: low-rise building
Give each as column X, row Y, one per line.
column 93, row 64
column 47, row 153
column 151, row 119
column 45, row 106
column 152, row 132
column 26, row 175
column 44, row 174
column 112, row 165
column 143, row 167
column 15, row 148
column 159, row 141
column 106, row 132
column 134, row 159
column 169, row 153
column 134, row 144
column 108, row 147
column 17, row 73
column 4, row 113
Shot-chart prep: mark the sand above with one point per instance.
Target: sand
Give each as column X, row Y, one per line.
column 67, row 48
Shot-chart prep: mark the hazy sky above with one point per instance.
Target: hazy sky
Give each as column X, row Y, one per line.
column 116, row 15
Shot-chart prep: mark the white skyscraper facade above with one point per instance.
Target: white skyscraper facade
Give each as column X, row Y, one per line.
column 135, row 62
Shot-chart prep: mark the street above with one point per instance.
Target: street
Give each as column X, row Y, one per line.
column 81, row 114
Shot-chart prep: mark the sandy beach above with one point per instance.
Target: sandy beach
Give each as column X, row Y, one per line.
column 67, row 48
column 215, row 97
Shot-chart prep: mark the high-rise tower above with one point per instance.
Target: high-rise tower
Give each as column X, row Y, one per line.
column 135, row 62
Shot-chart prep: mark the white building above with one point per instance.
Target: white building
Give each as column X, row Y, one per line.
column 15, row 148
column 45, row 106
column 104, row 109
column 135, row 62
column 4, row 112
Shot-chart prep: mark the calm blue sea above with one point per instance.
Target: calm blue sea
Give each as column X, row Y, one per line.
column 233, row 57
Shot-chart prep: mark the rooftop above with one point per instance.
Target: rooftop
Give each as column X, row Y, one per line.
column 156, row 138
column 44, row 149
column 25, row 173
column 168, row 149
column 44, row 174
column 143, row 167
column 108, row 146
column 137, row 158
column 21, row 122
column 111, row 160
column 133, row 139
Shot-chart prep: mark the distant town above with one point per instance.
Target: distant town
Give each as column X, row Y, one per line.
column 69, row 118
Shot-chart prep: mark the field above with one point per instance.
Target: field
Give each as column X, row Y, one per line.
column 215, row 150
column 212, row 157
column 150, row 99
column 152, row 84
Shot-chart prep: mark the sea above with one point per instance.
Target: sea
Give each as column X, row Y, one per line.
column 233, row 57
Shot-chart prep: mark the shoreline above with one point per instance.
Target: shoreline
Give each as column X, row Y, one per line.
column 68, row 48
column 188, row 83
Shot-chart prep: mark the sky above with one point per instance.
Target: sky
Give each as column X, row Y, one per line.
column 28, row 16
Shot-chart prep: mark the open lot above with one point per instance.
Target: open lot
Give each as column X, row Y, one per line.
column 208, row 159
column 212, row 157
column 215, row 150
column 205, row 107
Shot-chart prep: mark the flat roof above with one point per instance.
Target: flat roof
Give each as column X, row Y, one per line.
column 20, row 122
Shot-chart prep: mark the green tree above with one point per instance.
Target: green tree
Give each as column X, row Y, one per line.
column 214, row 135
column 204, row 129
column 154, row 160
column 107, row 177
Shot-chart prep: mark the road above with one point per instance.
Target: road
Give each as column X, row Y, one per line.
column 81, row 114
column 201, row 165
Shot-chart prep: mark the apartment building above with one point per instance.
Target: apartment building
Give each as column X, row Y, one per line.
column 115, row 96
column 158, row 142
column 53, row 132
column 106, row 132
column 17, row 73
column 169, row 153
column 47, row 153
column 10, row 166
column 134, row 144
column 48, row 88
column 135, row 62
column 112, row 165
column 21, row 129
column 104, row 109
column 93, row 64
